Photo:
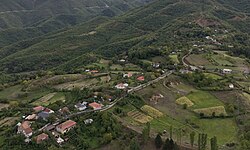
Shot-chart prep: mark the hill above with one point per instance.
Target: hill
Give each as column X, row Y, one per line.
column 160, row 26
column 23, row 19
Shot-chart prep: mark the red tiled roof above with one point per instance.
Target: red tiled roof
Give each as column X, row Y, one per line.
column 38, row 108
column 94, row 71
column 95, row 105
column 25, row 125
column 47, row 110
column 27, row 130
column 41, row 137
column 141, row 78
column 66, row 124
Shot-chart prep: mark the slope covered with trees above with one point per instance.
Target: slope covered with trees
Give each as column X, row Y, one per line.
column 139, row 33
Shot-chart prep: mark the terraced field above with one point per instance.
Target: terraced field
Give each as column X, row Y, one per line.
column 139, row 116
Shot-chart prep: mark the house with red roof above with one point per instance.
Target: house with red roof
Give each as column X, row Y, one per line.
column 141, row 78
column 94, row 71
column 47, row 110
column 66, row 126
column 41, row 137
column 95, row 106
column 38, row 108
column 24, row 128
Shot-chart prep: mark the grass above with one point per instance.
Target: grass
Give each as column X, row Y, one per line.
column 151, row 111
column 184, row 100
column 164, row 123
column 9, row 93
column 203, row 99
column 218, row 110
column 55, row 97
column 116, row 67
column 174, row 58
column 224, row 129
column 213, row 76
column 198, row 60
column 221, row 60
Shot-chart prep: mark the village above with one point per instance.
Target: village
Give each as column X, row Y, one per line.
column 57, row 122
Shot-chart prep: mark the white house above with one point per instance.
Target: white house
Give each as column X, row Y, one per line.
column 227, row 71
column 121, row 86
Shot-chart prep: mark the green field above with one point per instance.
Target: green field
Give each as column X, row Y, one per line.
column 198, row 60
column 213, row 76
column 174, row 58
column 224, row 129
column 203, row 99
column 9, row 93
column 57, row 97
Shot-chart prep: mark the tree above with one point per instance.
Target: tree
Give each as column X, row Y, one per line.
column 169, row 145
column 146, row 132
column 202, row 141
column 166, row 144
column 192, row 135
column 107, row 138
column 134, row 145
column 213, row 142
column 158, row 141
column 171, row 132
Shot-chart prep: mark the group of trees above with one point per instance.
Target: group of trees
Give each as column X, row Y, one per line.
column 169, row 144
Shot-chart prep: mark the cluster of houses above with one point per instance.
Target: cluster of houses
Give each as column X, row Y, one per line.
column 57, row 129
column 81, row 106
column 122, row 86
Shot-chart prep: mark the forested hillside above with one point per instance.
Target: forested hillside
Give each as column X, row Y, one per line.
column 164, row 23
column 23, row 19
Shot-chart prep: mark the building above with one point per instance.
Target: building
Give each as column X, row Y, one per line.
column 43, row 115
column 31, row 117
column 88, row 121
column 41, row 137
column 141, row 78
column 38, row 108
column 24, row 128
column 227, row 71
column 95, row 106
column 47, row 110
column 81, row 106
column 121, row 86
column 94, row 71
column 231, row 86
column 128, row 75
column 66, row 126
column 64, row 110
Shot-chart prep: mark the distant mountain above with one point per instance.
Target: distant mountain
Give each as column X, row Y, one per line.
column 23, row 19
column 163, row 24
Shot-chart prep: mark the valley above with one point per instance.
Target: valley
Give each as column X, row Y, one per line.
column 168, row 75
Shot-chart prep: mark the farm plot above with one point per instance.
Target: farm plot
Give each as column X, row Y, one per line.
column 139, row 116
column 55, row 80
column 210, row 111
column 203, row 99
column 8, row 121
column 2, row 106
column 213, row 76
column 151, row 111
column 49, row 99
column 198, row 60
column 77, row 84
column 218, row 127
column 10, row 92
column 184, row 100
column 222, row 60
